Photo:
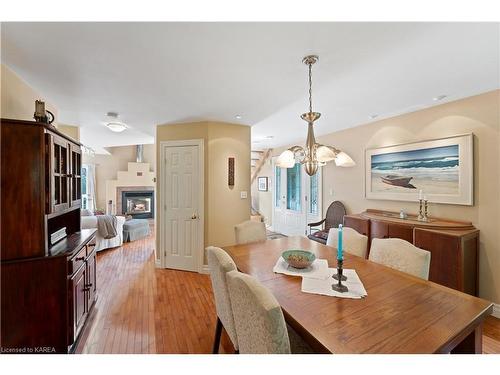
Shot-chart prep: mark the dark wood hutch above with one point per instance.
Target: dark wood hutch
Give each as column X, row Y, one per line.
column 47, row 289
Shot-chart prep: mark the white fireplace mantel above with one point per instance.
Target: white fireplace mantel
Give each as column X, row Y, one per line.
column 138, row 175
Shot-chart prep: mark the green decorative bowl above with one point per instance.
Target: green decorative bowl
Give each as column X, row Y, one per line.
column 298, row 258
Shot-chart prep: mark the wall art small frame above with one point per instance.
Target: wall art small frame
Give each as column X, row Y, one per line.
column 441, row 168
column 262, row 183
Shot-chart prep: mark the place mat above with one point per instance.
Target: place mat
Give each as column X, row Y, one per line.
column 317, row 270
column 324, row 286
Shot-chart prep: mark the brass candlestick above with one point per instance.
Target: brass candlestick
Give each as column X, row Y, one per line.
column 420, row 212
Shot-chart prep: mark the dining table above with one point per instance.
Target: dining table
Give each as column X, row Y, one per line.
column 400, row 314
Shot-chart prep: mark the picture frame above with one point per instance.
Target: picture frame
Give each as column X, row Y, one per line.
column 441, row 168
column 262, row 183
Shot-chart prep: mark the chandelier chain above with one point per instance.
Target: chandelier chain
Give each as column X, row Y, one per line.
column 310, row 87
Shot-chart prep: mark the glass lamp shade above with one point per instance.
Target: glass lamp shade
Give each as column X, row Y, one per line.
column 116, row 127
column 344, row 160
column 286, row 159
column 324, row 154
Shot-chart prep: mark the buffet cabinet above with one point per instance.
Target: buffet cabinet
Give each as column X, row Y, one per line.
column 454, row 245
column 48, row 285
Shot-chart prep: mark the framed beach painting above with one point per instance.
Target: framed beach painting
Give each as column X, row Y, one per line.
column 441, row 168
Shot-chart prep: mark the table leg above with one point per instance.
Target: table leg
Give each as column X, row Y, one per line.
column 471, row 344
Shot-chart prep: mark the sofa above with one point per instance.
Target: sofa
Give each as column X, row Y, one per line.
column 101, row 243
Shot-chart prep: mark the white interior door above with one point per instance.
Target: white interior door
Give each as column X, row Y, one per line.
column 181, row 224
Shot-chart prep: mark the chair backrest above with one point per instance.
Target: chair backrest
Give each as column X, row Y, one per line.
column 353, row 242
column 250, row 231
column 220, row 263
column 401, row 255
column 334, row 215
column 259, row 321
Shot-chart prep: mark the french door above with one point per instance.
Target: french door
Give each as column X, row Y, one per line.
column 296, row 199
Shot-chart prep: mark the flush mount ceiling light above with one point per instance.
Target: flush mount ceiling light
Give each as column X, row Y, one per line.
column 113, row 123
column 313, row 155
column 237, row 117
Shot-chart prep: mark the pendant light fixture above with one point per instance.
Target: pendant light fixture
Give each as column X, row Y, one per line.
column 313, row 155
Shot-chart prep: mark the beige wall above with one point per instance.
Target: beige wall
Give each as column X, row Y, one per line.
column 70, row 130
column 108, row 166
column 18, row 98
column 223, row 206
column 477, row 114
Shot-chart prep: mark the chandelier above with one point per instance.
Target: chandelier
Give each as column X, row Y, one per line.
column 313, row 155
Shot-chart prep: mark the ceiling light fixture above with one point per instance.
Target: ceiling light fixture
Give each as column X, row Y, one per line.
column 374, row 116
column 439, row 97
column 237, row 117
column 313, row 155
column 113, row 123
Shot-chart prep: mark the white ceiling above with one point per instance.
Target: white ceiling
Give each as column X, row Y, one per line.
column 157, row 73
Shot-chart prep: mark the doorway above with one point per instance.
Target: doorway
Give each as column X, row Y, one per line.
column 296, row 199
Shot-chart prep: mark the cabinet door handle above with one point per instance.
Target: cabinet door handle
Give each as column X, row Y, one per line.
column 86, row 289
column 79, row 259
column 88, row 285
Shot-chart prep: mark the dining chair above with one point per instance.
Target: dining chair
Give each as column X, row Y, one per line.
column 219, row 263
column 401, row 255
column 250, row 231
column 353, row 242
column 334, row 216
column 258, row 319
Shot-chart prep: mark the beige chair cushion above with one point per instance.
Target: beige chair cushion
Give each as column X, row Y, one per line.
column 353, row 242
column 401, row 255
column 259, row 321
column 221, row 263
column 250, row 231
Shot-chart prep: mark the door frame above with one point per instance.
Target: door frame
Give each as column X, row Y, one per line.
column 200, row 143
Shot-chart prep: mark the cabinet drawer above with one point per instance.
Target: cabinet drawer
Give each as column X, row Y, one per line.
column 77, row 261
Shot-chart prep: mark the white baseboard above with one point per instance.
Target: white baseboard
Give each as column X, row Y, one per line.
column 205, row 269
column 157, row 263
column 496, row 310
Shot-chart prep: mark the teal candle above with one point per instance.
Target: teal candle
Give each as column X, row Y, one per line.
column 339, row 244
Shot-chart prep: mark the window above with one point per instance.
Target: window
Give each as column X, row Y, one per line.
column 85, row 197
column 293, row 198
column 277, row 186
column 313, row 199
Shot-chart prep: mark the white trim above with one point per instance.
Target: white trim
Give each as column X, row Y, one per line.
column 201, row 197
column 496, row 310
column 205, row 269
column 158, row 263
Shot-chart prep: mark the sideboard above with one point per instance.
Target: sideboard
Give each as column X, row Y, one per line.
column 454, row 245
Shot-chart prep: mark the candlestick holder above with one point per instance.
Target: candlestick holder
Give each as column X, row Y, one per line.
column 426, row 217
column 339, row 287
column 420, row 216
column 336, row 276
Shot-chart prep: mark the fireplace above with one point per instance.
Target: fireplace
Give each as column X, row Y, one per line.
column 139, row 204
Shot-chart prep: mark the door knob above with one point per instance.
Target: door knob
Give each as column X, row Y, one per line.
column 194, row 217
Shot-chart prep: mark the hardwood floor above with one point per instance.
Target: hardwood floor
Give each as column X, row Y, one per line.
column 142, row 309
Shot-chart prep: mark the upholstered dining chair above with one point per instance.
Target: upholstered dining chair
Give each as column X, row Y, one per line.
column 258, row 318
column 401, row 255
column 354, row 243
column 250, row 231
column 220, row 263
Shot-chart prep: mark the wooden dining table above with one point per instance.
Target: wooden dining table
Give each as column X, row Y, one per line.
column 400, row 314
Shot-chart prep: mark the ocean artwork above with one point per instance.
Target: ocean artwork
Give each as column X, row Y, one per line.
column 434, row 170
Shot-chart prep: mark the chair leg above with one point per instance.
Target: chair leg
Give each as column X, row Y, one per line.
column 218, row 332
